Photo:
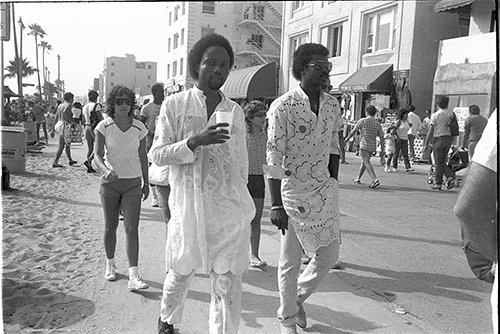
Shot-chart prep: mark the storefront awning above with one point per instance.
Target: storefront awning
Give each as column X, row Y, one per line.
column 457, row 79
column 7, row 92
column 369, row 79
column 252, row 82
column 445, row 5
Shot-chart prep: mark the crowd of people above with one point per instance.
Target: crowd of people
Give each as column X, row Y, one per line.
column 206, row 162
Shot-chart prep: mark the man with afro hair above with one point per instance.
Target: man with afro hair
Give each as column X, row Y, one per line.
column 209, row 230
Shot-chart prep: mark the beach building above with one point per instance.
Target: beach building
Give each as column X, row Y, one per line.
column 384, row 53
column 467, row 66
column 137, row 75
column 254, row 30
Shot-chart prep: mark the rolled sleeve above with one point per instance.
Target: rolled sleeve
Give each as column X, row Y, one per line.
column 276, row 142
column 335, row 144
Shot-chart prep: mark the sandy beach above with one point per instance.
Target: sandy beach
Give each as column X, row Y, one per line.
column 51, row 246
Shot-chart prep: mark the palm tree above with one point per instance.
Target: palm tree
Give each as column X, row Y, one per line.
column 45, row 46
column 36, row 31
column 13, row 68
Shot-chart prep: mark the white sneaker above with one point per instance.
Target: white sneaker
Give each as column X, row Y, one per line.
column 386, row 169
column 394, row 170
column 110, row 274
column 136, row 283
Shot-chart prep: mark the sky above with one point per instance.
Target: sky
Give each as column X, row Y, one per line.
column 84, row 33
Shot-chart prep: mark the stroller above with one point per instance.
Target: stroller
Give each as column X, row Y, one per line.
column 458, row 159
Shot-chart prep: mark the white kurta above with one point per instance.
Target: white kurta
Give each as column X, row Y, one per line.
column 298, row 151
column 209, row 201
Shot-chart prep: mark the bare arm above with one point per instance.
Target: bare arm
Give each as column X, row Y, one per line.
column 476, row 207
column 143, row 156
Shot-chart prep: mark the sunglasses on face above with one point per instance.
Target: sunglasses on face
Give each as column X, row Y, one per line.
column 120, row 101
column 321, row 66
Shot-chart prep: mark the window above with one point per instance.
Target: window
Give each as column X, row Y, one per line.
column 176, row 41
column 169, row 45
column 140, row 65
column 169, row 18
column 380, row 31
column 258, row 12
column 112, row 84
column 174, row 69
column 112, row 74
column 298, row 4
column 168, row 71
column 112, row 63
column 149, row 67
column 183, row 8
column 206, row 31
column 257, row 40
column 149, row 77
column 181, row 66
column 295, row 42
column 208, row 7
column 182, row 37
column 331, row 37
column 176, row 13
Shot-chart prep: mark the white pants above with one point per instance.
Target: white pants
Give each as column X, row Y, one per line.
column 292, row 288
column 225, row 303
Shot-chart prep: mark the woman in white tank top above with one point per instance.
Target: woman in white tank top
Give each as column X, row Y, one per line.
column 402, row 126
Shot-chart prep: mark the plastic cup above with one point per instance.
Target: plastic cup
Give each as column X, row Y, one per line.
column 222, row 116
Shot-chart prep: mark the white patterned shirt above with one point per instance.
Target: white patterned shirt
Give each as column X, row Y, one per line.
column 298, row 151
column 209, row 201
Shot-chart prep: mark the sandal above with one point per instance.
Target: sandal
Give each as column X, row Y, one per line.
column 357, row 181
column 374, row 184
column 73, row 162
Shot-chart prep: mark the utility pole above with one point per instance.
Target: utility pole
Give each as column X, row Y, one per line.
column 21, row 28
column 59, row 77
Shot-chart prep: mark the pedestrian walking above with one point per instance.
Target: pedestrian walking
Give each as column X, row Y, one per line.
column 62, row 126
column 201, row 135
column 403, row 126
column 473, row 129
column 255, row 118
column 439, row 131
column 149, row 115
column 120, row 154
column 92, row 115
column 369, row 129
column 41, row 121
column 390, row 147
column 302, row 136
column 416, row 124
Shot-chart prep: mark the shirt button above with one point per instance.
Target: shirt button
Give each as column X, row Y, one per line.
column 288, row 173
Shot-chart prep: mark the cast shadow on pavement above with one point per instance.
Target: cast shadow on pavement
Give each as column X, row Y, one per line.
column 405, row 238
column 259, row 306
column 388, row 283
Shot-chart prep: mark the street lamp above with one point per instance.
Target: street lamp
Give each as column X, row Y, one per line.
column 20, row 60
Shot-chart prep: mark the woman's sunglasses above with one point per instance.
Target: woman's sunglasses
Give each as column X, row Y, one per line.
column 120, row 101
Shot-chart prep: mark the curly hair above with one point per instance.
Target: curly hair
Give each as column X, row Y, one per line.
column 252, row 108
column 117, row 91
column 303, row 55
column 199, row 48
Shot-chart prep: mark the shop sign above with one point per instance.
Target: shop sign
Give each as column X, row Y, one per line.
column 5, row 21
column 355, row 88
column 462, row 114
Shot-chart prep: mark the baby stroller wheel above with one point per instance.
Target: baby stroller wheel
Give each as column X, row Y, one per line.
column 430, row 180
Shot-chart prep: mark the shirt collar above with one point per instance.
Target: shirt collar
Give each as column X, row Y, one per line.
column 302, row 94
column 200, row 94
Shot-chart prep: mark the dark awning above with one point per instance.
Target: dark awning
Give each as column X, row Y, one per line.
column 457, row 79
column 369, row 79
column 7, row 92
column 252, row 82
column 445, row 5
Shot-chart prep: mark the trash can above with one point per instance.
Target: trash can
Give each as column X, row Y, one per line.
column 14, row 148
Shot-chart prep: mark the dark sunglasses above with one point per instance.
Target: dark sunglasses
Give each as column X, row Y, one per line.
column 120, row 101
column 321, row 65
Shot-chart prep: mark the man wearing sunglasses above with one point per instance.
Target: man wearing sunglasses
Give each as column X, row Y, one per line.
column 301, row 149
column 209, row 229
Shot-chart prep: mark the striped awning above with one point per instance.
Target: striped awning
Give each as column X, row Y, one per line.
column 445, row 5
column 252, row 82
